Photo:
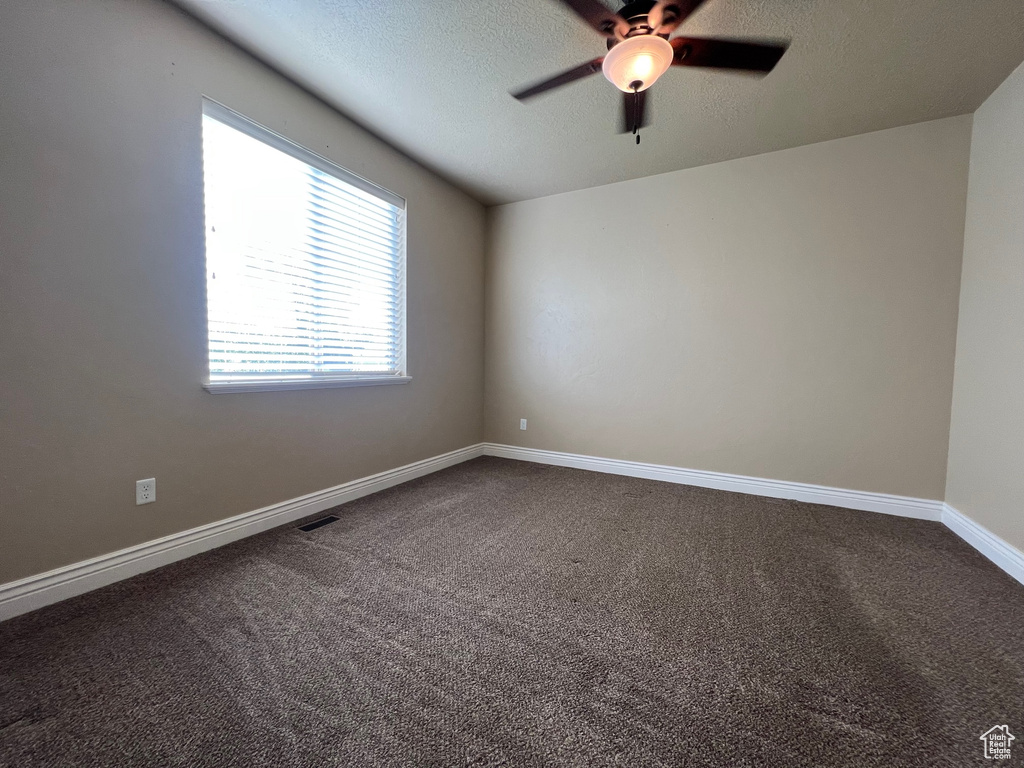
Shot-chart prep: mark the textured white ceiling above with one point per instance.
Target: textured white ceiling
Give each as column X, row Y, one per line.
column 433, row 77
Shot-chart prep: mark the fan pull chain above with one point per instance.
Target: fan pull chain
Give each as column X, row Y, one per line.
column 636, row 114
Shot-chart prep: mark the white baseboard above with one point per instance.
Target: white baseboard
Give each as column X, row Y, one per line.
column 27, row 594
column 1005, row 555
column 33, row 592
column 905, row 506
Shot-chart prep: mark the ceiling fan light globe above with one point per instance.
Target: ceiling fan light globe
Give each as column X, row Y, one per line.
column 641, row 59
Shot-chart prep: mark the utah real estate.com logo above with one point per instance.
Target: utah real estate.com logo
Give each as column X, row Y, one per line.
column 997, row 742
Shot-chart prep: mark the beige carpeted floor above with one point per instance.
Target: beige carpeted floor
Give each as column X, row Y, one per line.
column 502, row 613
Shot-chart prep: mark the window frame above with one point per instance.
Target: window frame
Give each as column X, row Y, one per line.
column 243, row 124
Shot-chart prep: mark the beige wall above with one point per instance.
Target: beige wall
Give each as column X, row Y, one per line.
column 102, row 315
column 789, row 316
column 986, row 449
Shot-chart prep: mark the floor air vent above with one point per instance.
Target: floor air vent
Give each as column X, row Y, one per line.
column 318, row 523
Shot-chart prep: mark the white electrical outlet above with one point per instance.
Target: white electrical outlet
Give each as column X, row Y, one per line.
column 522, row 423
column 145, row 491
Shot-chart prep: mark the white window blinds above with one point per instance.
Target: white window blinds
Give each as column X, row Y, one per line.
column 305, row 262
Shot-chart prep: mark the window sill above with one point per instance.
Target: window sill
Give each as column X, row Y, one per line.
column 238, row 387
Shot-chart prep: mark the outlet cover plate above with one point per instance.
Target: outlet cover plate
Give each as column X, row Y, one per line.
column 145, row 491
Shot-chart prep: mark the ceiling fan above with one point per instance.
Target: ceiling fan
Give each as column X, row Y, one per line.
column 640, row 51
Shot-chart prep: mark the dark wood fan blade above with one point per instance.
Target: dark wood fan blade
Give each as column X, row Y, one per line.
column 570, row 75
column 727, row 54
column 634, row 112
column 669, row 14
column 597, row 15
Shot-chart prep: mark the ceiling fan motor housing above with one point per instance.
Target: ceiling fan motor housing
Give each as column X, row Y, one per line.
column 637, row 16
column 636, row 8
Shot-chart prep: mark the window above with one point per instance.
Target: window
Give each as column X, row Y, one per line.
column 305, row 265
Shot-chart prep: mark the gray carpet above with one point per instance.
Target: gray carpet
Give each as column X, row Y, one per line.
column 502, row 613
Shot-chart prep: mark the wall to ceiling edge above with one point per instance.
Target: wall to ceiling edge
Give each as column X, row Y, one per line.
column 102, row 293
column 790, row 315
